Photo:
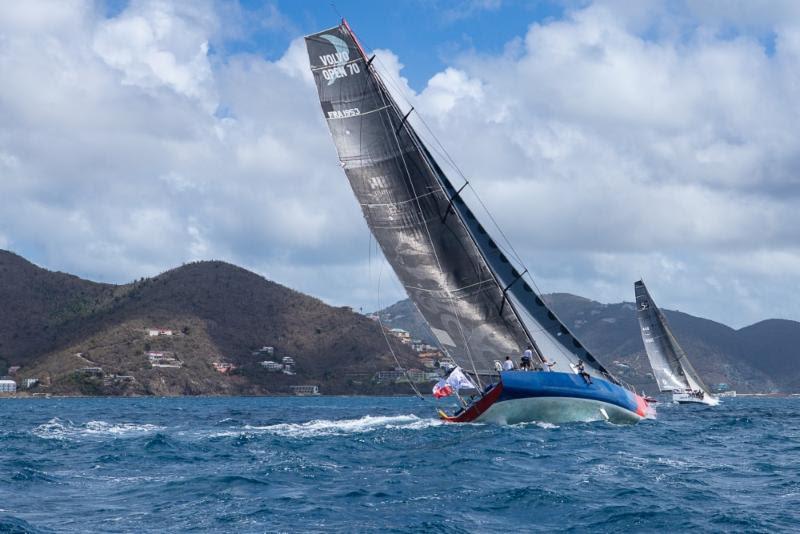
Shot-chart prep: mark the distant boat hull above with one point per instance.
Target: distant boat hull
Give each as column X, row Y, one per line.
column 556, row 398
column 688, row 398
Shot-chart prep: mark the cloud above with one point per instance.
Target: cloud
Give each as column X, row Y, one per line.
column 613, row 143
column 117, row 163
column 155, row 44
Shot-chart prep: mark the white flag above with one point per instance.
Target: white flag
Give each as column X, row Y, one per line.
column 458, row 380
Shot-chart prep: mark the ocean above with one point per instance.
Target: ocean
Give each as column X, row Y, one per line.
column 339, row 464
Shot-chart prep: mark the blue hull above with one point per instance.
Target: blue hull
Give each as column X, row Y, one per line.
column 553, row 397
column 527, row 384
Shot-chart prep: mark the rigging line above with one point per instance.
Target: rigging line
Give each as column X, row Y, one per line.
column 417, row 140
column 439, row 147
column 336, row 10
column 423, row 153
column 389, row 344
column 383, row 94
column 558, row 345
column 401, row 93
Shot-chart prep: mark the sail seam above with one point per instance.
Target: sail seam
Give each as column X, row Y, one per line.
column 401, row 202
column 449, row 291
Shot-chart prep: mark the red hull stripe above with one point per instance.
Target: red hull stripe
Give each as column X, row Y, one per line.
column 475, row 410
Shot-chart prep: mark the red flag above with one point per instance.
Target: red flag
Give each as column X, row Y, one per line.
column 442, row 389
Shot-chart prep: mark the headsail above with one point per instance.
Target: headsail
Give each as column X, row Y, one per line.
column 671, row 367
column 474, row 299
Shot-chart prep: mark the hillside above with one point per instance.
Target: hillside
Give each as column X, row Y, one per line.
column 53, row 323
column 757, row 358
column 403, row 314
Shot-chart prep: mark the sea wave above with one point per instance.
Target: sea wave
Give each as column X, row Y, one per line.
column 327, row 427
column 57, row 428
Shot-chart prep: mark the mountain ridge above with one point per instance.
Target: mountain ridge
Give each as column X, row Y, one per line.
column 756, row 358
column 53, row 323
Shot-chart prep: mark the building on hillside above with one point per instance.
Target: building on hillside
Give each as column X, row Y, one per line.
column 430, row 355
column 154, row 332
column 223, row 367
column 13, row 370
column 272, row 367
column 288, row 365
column 401, row 334
column 264, row 351
column 447, row 361
column 384, row 377
column 305, row 391
column 373, row 317
column 28, row 383
column 414, row 375
column 163, row 359
column 420, row 346
column 8, row 386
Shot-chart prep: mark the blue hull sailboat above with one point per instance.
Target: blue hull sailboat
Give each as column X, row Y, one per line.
column 472, row 294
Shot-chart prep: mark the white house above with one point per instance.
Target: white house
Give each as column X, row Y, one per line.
column 8, row 386
column 153, row 332
column 272, row 367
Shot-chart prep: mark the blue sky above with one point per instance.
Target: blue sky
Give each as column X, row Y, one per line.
column 610, row 139
column 426, row 34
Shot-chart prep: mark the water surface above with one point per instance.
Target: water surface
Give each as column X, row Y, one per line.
column 367, row 464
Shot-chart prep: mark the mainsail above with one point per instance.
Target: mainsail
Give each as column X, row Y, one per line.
column 475, row 301
column 671, row 367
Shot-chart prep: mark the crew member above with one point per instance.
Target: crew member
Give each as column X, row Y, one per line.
column 582, row 371
column 527, row 357
column 508, row 365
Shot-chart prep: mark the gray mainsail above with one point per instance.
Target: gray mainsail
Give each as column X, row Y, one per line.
column 671, row 366
column 473, row 298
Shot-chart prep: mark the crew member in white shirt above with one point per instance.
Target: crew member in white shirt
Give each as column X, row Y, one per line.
column 508, row 365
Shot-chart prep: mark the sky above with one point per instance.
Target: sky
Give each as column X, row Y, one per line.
column 609, row 140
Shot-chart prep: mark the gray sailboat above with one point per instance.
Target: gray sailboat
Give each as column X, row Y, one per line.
column 472, row 295
column 671, row 367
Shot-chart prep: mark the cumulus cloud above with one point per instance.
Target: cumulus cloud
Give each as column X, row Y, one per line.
column 619, row 143
column 612, row 143
column 126, row 148
column 157, row 44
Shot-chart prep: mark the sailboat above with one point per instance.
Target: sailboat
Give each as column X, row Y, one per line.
column 671, row 367
column 475, row 299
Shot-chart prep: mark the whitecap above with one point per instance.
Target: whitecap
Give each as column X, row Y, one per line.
column 327, row 427
column 55, row 428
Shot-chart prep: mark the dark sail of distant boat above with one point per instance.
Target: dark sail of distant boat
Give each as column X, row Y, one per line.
column 671, row 367
column 476, row 302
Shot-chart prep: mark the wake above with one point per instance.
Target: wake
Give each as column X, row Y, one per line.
column 327, row 427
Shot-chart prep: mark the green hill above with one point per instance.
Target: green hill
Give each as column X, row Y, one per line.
column 52, row 324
